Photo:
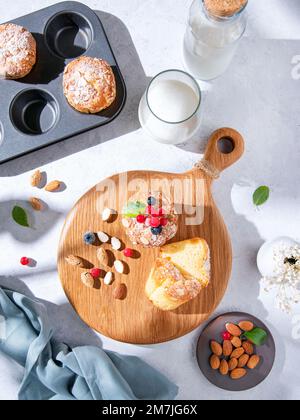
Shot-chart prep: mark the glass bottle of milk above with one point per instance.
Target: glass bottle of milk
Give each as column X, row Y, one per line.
column 213, row 31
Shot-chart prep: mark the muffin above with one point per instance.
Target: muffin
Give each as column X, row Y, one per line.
column 149, row 220
column 89, row 84
column 17, row 51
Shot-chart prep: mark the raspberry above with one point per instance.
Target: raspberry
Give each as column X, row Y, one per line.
column 24, row 261
column 149, row 210
column 140, row 218
column 154, row 222
column 226, row 335
column 164, row 221
column 128, row 252
column 96, row 273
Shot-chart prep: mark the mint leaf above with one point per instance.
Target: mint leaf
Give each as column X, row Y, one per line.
column 261, row 195
column 257, row 336
column 134, row 208
column 20, row 216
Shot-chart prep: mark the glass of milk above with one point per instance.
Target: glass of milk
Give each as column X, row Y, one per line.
column 169, row 111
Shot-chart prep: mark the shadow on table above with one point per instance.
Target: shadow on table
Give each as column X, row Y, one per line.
column 40, row 222
column 127, row 122
column 66, row 323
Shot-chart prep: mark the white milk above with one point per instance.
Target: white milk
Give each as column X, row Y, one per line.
column 210, row 43
column 171, row 113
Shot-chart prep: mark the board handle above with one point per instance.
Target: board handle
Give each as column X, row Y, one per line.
column 225, row 147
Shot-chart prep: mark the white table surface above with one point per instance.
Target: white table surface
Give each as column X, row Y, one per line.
column 257, row 96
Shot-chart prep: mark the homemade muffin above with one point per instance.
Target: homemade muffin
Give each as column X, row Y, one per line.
column 89, row 84
column 17, row 51
column 180, row 272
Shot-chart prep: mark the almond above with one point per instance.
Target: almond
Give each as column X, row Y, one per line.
column 102, row 256
column 53, row 186
column 216, row 348
column 224, row 368
column 214, row 362
column 107, row 214
column 36, row 178
column 227, row 348
column 236, row 342
column 119, row 266
column 103, row 237
column 233, row 330
column 248, row 347
column 232, row 364
column 237, row 353
column 109, row 278
column 238, row 373
column 74, row 260
column 36, row 204
column 116, row 243
column 246, row 325
column 243, row 360
column 120, row 291
column 253, row 362
column 87, row 279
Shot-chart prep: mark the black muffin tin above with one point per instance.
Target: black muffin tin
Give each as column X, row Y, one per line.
column 34, row 111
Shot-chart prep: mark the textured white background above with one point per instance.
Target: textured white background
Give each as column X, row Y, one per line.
column 257, row 96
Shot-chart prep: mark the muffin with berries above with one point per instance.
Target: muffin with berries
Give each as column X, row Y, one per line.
column 150, row 220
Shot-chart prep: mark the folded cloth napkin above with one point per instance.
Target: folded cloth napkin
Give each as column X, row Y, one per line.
column 54, row 371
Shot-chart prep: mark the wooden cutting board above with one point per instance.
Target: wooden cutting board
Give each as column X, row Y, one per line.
column 135, row 319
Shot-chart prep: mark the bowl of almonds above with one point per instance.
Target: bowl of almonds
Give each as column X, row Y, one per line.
column 236, row 351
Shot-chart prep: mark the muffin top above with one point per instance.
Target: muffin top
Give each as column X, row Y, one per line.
column 17, row 51
column 89, row 84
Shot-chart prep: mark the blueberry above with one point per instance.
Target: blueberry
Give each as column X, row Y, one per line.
column 151, row 201
column 156, row 230
column 89, row 238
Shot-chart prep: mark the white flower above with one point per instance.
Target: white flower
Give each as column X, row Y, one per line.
column 286, row 276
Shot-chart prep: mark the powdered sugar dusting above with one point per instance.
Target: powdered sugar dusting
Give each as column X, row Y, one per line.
column 17, row 51
column 89, row 84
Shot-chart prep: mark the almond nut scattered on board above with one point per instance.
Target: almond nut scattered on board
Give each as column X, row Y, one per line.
column 107, row 214
column 102, row 256
column 243, row 360
column 103, row 237
column 246, row 326
column 233, row 330
column 74, row 260
column 120, row 291
column 36, row 178
column 214, row 362
column 237, row 353
column 53, row 186
column 224, row 368
column 238, row 373
column 116, row 243
column 227, row 348
column 108, row 278
column 253, row 362
column 119, row 266
column 216, row 348
column 248, row 347
column 87, row 279
column 233, row 364
column 36, row 203
column 236, row 342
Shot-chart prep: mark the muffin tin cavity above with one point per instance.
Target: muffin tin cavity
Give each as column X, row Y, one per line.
column 34, row 111
column 68, row 35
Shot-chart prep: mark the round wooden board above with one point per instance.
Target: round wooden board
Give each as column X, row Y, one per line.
column 135, row 319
